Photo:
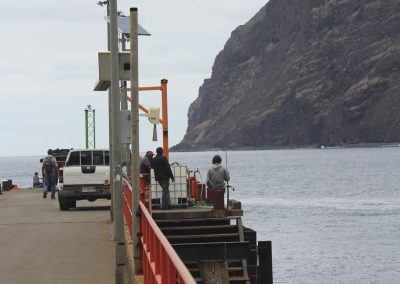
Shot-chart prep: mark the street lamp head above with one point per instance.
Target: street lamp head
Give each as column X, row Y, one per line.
column 102, row 3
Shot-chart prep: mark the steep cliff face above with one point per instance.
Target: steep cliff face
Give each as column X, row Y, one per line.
column 310, row 72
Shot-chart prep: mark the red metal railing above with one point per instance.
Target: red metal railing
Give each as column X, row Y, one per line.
column 163, row 264
column 127, row 197
column 160, row 262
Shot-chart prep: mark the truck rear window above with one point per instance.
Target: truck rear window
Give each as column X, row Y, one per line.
column 74, row 159
column 98, row 158
column 107, row 158
column 89, row 158
column 86, row 158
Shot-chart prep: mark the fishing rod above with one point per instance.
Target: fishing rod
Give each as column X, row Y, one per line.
column 226, row 159
column 227, row 182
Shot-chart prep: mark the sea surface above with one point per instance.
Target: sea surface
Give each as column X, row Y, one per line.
column 333, row 215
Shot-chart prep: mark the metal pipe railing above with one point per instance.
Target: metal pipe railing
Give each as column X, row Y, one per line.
column 166, row 265
column 160, row 262
column 127, row 197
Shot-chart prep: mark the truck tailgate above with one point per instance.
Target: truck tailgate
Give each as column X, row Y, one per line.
column 86, row 174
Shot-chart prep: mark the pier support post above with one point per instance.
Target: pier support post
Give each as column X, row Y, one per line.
column 265, row 262
column 116, row 153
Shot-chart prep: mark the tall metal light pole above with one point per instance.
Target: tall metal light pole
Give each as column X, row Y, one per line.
column 116, row 145
column 135, row 136
column 110, row 130
column 126, row 157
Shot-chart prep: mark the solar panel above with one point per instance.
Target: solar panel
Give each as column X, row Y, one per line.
column 124, row 26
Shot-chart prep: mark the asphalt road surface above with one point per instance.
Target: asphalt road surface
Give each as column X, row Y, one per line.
column 41, row 244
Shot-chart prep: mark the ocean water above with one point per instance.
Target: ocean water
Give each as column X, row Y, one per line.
column 20, row 169
column 333, row 215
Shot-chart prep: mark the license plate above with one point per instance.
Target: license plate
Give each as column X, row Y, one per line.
column 88, row 189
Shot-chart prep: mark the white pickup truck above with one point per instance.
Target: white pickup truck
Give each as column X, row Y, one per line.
column 85, row 175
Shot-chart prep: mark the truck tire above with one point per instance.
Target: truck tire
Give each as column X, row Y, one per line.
column 64, row 205
column 72, row 204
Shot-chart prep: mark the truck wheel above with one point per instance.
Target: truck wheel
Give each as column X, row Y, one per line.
column 64, row 205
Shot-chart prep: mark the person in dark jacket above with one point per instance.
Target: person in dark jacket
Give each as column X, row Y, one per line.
column 162, row 174
column 145, row 165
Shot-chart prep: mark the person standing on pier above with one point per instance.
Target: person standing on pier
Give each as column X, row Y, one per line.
column 162, row 172
column 217, row 175
column 50, row 172
column 145, row 165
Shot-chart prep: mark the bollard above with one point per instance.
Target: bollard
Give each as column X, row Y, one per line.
column 265, row 262
column 219, row 199
column 216, row 197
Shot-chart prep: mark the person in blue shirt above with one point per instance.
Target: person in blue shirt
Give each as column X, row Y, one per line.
column 50, row 173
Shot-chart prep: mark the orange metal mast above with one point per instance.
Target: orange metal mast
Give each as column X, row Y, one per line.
column 164, row 119
column 164, row 95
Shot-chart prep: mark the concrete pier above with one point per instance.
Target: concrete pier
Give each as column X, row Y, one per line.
column 41, row 244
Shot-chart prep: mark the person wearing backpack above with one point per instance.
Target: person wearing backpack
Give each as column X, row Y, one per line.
column 50, row 172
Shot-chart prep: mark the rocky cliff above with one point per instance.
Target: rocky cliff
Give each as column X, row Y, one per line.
column 302, row 73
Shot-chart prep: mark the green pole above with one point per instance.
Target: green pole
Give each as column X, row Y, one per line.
column 86, row 129
column 94, row 129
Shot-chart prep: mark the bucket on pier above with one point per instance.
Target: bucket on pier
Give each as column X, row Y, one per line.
column 6, row 184
column 216, row 197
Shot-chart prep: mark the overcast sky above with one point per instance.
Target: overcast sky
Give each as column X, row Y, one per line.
column 48, row 66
